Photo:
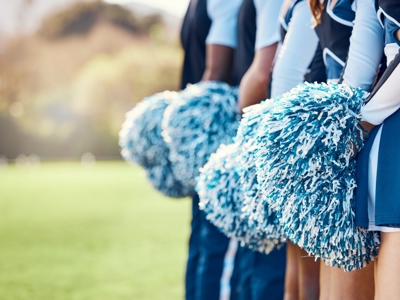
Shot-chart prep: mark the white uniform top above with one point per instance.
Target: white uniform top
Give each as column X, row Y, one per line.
column 224, row 19
column 386, row 100
column 296, row 53
column 267, row 20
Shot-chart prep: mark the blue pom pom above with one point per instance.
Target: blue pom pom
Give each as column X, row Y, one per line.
column 221, row 193
column 205, row 116
column 162, row 179
column 259, row 214
column 306, row 171
column 141, row 142
column 140, row 137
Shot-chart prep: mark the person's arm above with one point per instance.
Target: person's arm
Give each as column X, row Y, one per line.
column 366, row 47
column 219, row 63
column 296, row 53
column 221, row 39
column 253, row 87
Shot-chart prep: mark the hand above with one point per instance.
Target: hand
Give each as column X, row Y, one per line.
column 367, row 128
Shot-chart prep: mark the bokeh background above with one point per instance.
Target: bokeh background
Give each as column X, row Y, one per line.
column 76, row 222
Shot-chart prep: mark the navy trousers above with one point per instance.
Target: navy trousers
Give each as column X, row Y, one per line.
column 259, row 276
column 207, row 249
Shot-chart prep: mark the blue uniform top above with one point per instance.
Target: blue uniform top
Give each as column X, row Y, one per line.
column 383, row 107
column 334, row 33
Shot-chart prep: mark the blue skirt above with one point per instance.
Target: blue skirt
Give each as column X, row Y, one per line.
column 387, row 201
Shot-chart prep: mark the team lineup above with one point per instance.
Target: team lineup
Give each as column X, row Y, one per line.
column 283, row 134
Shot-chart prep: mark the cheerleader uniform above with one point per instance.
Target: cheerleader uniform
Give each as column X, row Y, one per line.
column 334, row 33
column 257, row 275
column 378, row 165
column 344, row 32
column 206, row 22
column 351, row 32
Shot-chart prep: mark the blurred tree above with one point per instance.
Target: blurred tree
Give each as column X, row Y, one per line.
column 80, row 18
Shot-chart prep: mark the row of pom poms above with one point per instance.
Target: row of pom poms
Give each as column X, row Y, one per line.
column 313, row 196
column 301, row 147
column 172, row 134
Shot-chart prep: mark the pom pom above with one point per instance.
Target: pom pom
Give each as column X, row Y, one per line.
column 162, row 179
column 140, row 137
column 205, row 116
column 305, row 168
column 259, row 215
column 222, row 198
column 141, row 142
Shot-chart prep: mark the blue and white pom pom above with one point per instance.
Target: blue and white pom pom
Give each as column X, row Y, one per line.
column 255, row 210
column 305, row 168
column 162, row 179
column 205, row 116
column 221, row 199
column 140, row 137
column 221, row 192
column 141, row 143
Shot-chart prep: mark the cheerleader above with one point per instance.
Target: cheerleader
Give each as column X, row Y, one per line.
column 208, row 38
column 378, row 163
column 295, row 56
column 258, row 276
column 336, row 22
column 298, row 55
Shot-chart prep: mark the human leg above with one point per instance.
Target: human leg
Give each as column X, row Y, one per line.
column 355, row 285
column 291, row 273
column 324, row 281
column 308, row 276
column 387, row 273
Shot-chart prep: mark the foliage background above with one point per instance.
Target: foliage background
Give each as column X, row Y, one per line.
column 64, row 90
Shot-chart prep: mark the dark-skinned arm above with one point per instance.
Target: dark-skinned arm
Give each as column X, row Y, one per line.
column 219, row 62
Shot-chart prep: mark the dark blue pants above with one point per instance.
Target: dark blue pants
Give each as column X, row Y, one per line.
column 207, row 249
column 259, row 276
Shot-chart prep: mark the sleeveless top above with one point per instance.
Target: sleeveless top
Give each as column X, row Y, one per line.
column 244, row 53
column 195, row 28
column 334, row 34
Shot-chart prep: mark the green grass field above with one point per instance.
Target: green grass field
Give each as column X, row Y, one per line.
column 74, row 233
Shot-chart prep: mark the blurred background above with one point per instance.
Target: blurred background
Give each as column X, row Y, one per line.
column 75, row 221
column 69, row 70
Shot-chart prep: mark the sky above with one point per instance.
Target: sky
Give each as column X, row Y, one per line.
column 175, row 7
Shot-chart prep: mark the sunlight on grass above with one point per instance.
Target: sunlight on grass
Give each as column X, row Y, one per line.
column 69, row 232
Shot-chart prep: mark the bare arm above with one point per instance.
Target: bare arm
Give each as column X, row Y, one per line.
column 219, row 61
column 253, row 87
